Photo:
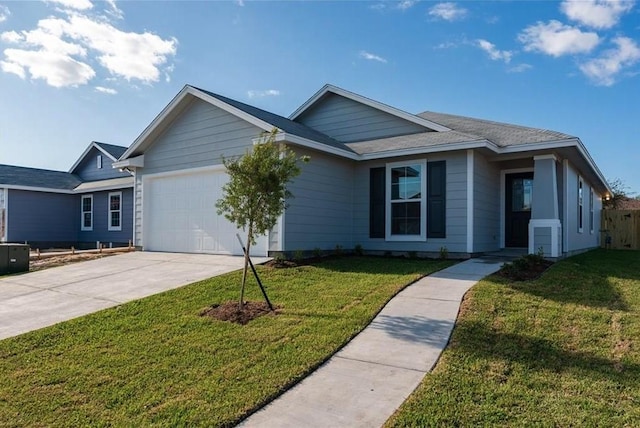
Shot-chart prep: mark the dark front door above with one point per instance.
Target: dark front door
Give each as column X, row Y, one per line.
column 519, row 188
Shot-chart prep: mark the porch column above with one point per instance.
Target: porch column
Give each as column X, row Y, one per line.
column 545, row 229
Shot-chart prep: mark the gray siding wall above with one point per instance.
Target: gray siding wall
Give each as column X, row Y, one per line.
column 321, row 213
column 199, row 137
column 101, row 230
column 585, row 239
column 43, row 217
column 456, row 210
column 88, row 169
column 542, row 238
column 347, row 120
column 486, row 205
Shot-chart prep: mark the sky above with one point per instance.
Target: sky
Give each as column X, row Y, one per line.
column 76, row 71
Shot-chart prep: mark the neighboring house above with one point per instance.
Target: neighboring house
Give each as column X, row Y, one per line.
column 91, row 203
column 379, row 177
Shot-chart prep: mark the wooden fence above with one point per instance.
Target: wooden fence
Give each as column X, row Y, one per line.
column 621, row 229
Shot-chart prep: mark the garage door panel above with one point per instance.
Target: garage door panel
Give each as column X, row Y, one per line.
column 180, row 215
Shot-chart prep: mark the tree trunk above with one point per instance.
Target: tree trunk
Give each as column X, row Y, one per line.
column 246, row 265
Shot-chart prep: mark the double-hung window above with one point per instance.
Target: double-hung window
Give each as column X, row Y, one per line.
column 406, row 189
column 115, row 211
column 86, row 219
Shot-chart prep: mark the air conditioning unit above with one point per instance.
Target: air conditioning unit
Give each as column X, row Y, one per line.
column 14, row 258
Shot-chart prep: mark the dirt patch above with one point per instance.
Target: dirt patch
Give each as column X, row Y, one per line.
column 525, row 268
column 53, row 261
column 280, row 264
column 229, row 311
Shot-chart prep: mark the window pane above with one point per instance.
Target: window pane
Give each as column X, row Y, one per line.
column 86, row 204
column 87, row 220
column 115, row 203
column 405, row 218
column 406, row 182
column 115, row 219
column 522, row 190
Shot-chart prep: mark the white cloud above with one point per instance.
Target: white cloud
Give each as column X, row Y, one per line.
column 73, row 4
column 378, row 6
column 596, row 13
column 446, row 45
column 557, row 39
column 108, row 91
column 240, row 2
column 4, row 13
column 448, row 11
column 114, row 10
column 406, row 4
column 57, row 69
column 10, row 37
column 520, row 68
column 602, row 71
column 260, row 94
column 64, row 51
column 371, row 57
column 494, row 53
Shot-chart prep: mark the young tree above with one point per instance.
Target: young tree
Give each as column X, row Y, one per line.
column 620, row 194
column 256, row 194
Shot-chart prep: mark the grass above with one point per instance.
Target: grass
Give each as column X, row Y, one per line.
column 563, row 350
column 157, row 362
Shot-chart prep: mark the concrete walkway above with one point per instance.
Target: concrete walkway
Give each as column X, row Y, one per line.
column 38, row 299
column 364, row 383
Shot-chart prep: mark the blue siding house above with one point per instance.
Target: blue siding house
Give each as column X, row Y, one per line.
column 379, row 177
column 91, row 203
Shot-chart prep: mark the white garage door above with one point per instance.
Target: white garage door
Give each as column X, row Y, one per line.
column 180, row 216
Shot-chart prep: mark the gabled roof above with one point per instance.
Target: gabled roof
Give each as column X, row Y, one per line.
column 330, row 89
column 112, row 151
column 20, row 176
column 258, row 117
column 282, row 123
column 500, row 134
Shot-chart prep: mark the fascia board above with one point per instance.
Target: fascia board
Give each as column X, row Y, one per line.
column 35, row 189
column 484, row 144
column 369, row 102
column 294, row 139
column 135, row 162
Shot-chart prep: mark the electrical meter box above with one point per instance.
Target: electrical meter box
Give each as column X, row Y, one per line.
column 14, row 258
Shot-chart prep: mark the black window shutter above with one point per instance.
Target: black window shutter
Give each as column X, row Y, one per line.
column 377, row 202
column 436, row 199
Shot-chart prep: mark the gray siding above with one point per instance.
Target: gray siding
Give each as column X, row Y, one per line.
column 586, row 239
column 321, row 213
column 542, row 239
column 486, row 205
column 199, row 137
column 456, row 208
column 101, row 230
column 347, row 120
column 88, row 169
column 42, row 217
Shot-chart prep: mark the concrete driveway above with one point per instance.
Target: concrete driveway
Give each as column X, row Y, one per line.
column 38, row 299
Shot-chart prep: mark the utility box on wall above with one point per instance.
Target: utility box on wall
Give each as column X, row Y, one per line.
column 14, row 258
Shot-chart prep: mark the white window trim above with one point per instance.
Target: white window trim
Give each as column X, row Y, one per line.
column 580, row 205
column 99, row 161
column 423, row 201
column 110, row 211
column 82, row 212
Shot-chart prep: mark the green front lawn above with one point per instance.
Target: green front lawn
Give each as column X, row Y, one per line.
column 563, row 350
column 156, row 361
